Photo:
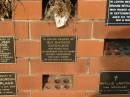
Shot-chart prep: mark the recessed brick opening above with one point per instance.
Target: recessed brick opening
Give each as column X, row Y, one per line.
column 117, row 47
column 45, row 80
column 45, row 6
column 56, row 82
column 5, row 9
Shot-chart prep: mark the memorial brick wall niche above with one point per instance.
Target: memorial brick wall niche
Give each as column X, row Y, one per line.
column 30, row 75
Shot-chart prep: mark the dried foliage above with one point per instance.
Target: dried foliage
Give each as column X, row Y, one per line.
column 5, row 9
column 59, row 7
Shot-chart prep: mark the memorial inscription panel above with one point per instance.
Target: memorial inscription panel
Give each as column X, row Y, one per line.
column 58, row 49
column 7, row 84
column 7, row 50
column 118, row 12
column 114, row 83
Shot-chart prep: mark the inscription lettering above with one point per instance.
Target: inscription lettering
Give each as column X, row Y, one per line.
column 7, row 50
column 58, row 49
column 7, row 84
column 118, row 12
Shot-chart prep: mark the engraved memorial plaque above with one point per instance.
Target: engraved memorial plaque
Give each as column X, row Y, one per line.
column 58, row 49
column 118, row 12
column 114, row 83
column 7, row 50
column 7, row 84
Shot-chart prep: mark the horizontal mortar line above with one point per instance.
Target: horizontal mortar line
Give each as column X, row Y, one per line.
column 29, row 57
column 92, row 91
column 43, row 21
column 27, row 75
column 58, row 91
column 102, row 40
column 39, row 40
column 23, row 74
column 83, row 58
column 30, row 1
column 27, row 40
column 94, row 0
column 99, row 20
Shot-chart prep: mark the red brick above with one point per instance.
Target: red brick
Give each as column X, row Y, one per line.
column 28, row 48
column 95, row 65
column 19, row 94
column 111, row 63
column 59, row 94
column 29, row 82
column 20, row 67
column 39, row 28
column 114, row 32
column 6, row 28
column 81, row 66
column 86, row 82
column 95, row 94
column 91, row 9
column 17, row 29
column 89, row 48
column 83, row 29
column 21, row 30
column 28, row 10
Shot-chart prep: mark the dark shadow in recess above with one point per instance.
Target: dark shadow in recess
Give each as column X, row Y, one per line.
column 120, row 47
column 73, row 11
column 44, row 80
column 6, row 9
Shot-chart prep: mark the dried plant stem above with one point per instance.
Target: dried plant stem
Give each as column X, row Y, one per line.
column 5, row 9
column 59, row 7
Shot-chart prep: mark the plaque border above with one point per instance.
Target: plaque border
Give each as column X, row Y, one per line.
column 59, row 36
column 110, row 94
column 15, row 83
column 14, row 41
column 107, row 17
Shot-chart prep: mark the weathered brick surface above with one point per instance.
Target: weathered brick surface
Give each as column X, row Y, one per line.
column 27, row 26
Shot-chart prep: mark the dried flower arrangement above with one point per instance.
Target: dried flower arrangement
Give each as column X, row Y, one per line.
column 117, row 47
column 5, row 9
column 58, row 10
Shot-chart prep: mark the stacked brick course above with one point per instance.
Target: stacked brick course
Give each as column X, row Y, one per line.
column 27, row 28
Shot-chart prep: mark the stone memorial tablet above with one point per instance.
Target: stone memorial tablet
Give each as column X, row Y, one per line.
column 7, row 84
column 114, row 83
column 7, row 50
column 58, row 49
column 118, row 12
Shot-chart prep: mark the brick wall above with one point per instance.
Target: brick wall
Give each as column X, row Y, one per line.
column 89, row 27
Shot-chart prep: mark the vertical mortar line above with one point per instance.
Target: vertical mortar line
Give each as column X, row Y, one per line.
column 74, row 26
column 30, row 38
column 30, row 93
column 29, row 71
column 29, row 59
column 89, row 65
column 29, row 30
column 92, row 30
